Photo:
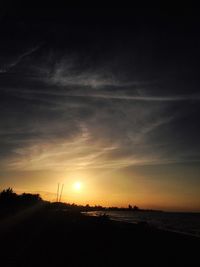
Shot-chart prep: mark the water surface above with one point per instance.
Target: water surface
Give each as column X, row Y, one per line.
column 187, row 223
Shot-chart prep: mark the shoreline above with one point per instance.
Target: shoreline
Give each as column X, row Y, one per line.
column 53, row 237
column 150, row 225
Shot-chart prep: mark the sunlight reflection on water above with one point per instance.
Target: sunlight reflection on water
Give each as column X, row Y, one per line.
column 187, row 223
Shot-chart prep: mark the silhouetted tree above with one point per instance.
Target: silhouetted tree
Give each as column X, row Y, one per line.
column 7, row 196
column 29, row 199
column 11, row 202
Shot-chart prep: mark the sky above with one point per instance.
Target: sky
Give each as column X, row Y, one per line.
column 108, row 97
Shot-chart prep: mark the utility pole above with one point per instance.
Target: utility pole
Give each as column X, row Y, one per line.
column 57, row 192
column 61, row 192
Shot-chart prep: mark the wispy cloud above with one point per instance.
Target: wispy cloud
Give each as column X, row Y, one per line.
column 7, row 67
column 77, row 117
column 26, row 93
column 87, row 150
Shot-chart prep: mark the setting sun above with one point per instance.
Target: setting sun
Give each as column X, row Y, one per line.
column 77, row 186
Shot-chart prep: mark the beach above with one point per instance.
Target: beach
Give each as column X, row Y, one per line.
column 187, row 223
column 49, row 236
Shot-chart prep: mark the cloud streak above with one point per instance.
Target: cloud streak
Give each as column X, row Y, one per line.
column 78, row 118
column 104, row 95
column 7, row 67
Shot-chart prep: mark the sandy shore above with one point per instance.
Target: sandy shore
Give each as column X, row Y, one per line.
column 50, row 237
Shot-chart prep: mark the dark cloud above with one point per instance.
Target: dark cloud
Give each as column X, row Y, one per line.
column 105, row 91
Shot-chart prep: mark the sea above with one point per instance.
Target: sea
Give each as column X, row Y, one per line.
column 185, row 223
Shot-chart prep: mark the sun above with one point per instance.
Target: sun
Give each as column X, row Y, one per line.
column 77, row 186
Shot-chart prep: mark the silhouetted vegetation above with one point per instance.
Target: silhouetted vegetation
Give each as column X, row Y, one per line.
column 8, row 197
column 10, row 202
column 40, row 233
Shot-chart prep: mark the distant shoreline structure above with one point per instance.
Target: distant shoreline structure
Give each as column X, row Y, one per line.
column 9, row 198
column 14, row 198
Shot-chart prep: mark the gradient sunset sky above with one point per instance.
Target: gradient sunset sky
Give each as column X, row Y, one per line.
column 106, row 97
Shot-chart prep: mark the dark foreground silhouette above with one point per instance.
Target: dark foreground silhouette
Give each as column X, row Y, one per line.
column 45, row 234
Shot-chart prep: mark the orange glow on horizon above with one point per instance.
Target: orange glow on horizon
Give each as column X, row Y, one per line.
column 113, row 188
